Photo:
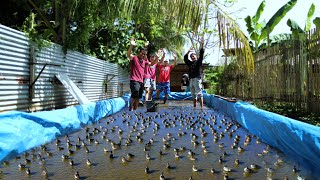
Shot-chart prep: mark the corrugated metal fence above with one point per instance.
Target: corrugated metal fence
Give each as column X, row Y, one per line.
column 27, row 75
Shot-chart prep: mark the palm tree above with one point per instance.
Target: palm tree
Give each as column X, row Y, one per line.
column 88, row 16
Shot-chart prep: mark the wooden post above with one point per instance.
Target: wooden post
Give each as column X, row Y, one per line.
column 32, row 69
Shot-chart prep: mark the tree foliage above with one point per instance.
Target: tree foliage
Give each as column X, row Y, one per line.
column 103, row 27
column 259, row 31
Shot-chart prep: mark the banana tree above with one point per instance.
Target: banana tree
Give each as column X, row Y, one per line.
column 259, row 31
column 296, row 29
column 316, row 22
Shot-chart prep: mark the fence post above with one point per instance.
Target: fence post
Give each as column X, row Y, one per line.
column 32, row 69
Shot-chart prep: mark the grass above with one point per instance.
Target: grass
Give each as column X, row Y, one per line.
column 290, row 111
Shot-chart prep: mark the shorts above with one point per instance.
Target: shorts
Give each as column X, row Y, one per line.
column 196, row 87
column 150, row 83
column 136, row 89
column 164, row 86
column 185, row 88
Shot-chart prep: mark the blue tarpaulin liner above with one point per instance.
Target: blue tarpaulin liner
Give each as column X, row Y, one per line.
column 299, row 140
column 175, row 95
column 20, row 131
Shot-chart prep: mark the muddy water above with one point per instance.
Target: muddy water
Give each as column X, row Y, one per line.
column 177, row 118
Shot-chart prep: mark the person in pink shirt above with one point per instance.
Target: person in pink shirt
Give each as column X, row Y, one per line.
column 164, row 77
column 150, row 77
column 137, row 69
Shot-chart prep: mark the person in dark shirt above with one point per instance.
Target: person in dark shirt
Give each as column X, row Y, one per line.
column 185, row 82
column 195, row 69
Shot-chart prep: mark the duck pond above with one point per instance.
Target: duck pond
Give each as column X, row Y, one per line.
column 177, row 142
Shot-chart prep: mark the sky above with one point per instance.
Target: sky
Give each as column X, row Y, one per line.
column 249, row 7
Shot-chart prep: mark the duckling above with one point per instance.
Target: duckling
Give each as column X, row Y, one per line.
column 148, row 156
column 212, row 171
column 129, row 155
column 71, row 163
column 236, row 162
column 225, row 177
column 300, row 177
column 258, row 141
column 190, row 153
column 42, row 161
column 124, row 160
column 145, row 149
column 87, row 150
column 76, row 175
column 259, row 154
column 190, row 178
column 111, row 155
column 220, row 160
column 253, row 166
column 83, row 144
column 58, row 142
column 28, row 171
column 168, row 166
column 106, row 150
column 49, row 153
column 182, row 148
column 70, row 152
column 240, row 149
column 28, row 161
column 176, row 155
column 146, row 170
column 115, row 145
column 294, row 169
column 194, row 168
column 270, row 170
column 89, row 162
column 21, row 166
column 247, row 170
column 162, row 176
column 96, row 141
column 166, row 146
column 265, row 151
column 45, row 172
column 69, row 144
column 192, row 158
column 160, row 152
column 224, row 154
column 79, row 139
column 226, row 169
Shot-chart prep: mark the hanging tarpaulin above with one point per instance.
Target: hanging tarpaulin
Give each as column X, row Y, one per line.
column 72, row 88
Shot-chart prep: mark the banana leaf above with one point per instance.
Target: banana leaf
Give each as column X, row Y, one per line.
column 310, row 14
column 294, row 27
column 260, row 10
column 316, row 22
column 252, row 23
column 276, row 39
column 276, row 18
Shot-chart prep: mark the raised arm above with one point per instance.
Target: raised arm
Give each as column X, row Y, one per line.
column 163, row 55
column 174, row 60
column 201, row 54
column 201, row 49
column 132, row 44
column 185, row 58
column 154, row 61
